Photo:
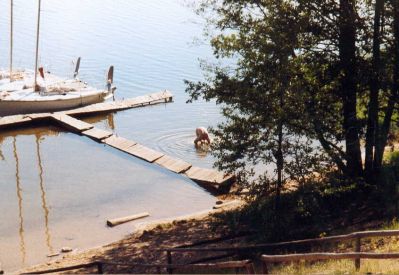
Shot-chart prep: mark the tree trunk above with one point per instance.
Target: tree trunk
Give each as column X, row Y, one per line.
column 385, row 128
column 372, row 121
column 279, row 156
column 347, row 52
column 280, row 166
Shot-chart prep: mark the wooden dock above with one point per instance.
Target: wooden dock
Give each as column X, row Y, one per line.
column 104, row 107
column 210, row 179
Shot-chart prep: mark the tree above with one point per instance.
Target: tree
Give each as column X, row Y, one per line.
column 305, row 70
column 260, row 103
column 372, row 123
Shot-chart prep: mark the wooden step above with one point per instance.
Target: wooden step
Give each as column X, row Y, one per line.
column 97, row 134
column 71, row 123
column 144, row 153
column 175, row 165
column 119, row 143
column 210, row 178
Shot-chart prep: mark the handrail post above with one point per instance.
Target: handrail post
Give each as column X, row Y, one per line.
column 100, row 268
column 169, row 259
column 357, row 250
column 265, row 267
column 250, row 268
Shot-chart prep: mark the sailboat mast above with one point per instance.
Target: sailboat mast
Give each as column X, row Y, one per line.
column 36, row 87
column 11, row 35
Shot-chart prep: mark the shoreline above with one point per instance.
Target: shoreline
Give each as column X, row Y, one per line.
column 144, row 239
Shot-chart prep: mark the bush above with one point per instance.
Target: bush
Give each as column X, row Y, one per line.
column 307, row 212
column 391, row 159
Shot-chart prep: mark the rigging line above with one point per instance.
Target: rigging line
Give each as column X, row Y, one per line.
column 37, row 45
column 11, row 35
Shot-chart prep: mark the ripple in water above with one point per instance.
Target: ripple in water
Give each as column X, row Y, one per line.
column 180, row 143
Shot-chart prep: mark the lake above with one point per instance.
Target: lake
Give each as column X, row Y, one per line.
column 57, row 188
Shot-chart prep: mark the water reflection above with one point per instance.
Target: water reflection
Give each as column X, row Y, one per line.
column 153, row 52
column 20, row 211
column 43, row 196
column 39, row 133
column 104, row 121
column 1, row 155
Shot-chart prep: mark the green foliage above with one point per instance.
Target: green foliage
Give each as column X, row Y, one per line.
column 310, row 211
column 391, row 225
column 298, row 102
column 263, row 138
column 391, row 158
column 299, row 86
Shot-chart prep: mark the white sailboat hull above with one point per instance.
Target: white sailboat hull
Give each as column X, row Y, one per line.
column 57, row 94
column 13, row 107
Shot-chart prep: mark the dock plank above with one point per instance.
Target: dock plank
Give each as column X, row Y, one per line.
column 144, row 153
column 119, row 143
column 215, row 178
column 175, row 165
column 39, row 116
column 139, row 101
column 97, row 134
column 14, row 120
column 133, row 102
column 71, row 123
column 163, row 96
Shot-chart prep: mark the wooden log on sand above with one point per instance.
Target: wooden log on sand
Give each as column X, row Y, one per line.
column 225, row 204
column 118, row 221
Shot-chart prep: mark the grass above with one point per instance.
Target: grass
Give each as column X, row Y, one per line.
column 340, row 267
column 377, row 245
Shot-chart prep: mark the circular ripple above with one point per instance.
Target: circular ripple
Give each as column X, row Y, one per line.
column 180, row 143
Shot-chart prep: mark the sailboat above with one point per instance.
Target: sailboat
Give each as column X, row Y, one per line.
column 23, row 92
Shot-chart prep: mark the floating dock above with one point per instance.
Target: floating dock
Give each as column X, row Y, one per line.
column 104, row 107
column 210, row 179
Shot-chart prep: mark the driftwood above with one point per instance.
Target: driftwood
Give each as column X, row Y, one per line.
column 225, row 204
column 118, row 221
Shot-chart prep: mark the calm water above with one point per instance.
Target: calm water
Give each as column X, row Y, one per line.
column 57, row 188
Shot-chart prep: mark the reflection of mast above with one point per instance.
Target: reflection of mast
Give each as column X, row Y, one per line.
column 1, row 152
column 43, row 195
column 19, row 195
column 110, row 120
